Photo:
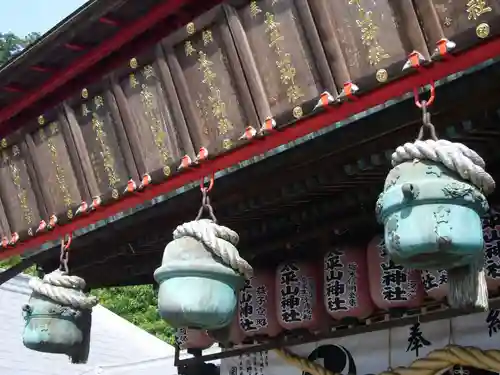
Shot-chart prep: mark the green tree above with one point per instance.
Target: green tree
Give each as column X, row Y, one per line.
column 138, row 305
column 11, row 45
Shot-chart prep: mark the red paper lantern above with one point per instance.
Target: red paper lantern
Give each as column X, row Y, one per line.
column 236, row 334
column 257, row 306
column 299, row 302
column 345, row 284
column 193, row 339
column 435, row 284
column 392, row 285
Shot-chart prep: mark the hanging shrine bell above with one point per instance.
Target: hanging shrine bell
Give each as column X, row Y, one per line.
column 201, row 273
column 431, row 208
column 58, row 315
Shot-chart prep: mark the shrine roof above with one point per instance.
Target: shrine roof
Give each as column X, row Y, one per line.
column 38, row 77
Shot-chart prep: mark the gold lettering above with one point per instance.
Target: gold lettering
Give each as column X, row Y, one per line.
column 376, row 54
column 254, row 8
column 133, row 80
column 106, row 154
column 155, row 125
column 148, row 71
column 476, row 8
column 207, row 37
column 22, row 195
column 188, row 48
column 284, row 63
column 224, row 125
column 206, row 66
column 98, row 102
column 369, row 31
column 85, row 110
column 60, row 173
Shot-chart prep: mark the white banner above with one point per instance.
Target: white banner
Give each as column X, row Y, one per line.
column 372, row 353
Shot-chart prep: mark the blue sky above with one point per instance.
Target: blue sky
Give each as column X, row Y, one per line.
column 24, row 16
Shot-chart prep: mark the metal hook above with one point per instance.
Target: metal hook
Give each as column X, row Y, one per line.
column 205, row 205
column 426, row 123
column 64, row 257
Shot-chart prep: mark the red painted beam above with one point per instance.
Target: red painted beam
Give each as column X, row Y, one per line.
column 437, row 71
column 12, row 88
column 108, row 21
column 41, row 69
column 127, row 33
column 74, row 47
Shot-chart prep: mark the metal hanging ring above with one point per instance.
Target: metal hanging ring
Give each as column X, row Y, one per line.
column 64, row 257
column 210, row 184
column 68, row 242
column 426, row 123
column 205, row 202
column 432, row 96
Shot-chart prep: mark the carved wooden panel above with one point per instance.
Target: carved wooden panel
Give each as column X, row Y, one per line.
column 368, row 42
column 19, row 190
column 57, row 166
column 151, row 113
column 100, row 138
column 281, row 52
column 209, row 79
column 465, row 22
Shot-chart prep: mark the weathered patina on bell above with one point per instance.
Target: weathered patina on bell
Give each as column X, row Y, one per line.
column 431, row 208
column 200, row 275
column 58, row 316
column 431, row 216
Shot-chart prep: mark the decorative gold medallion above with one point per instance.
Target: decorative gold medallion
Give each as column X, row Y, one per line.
column 483, row 30
column 381, row 75
column 69, row 214
column 298, row 112
column 227, row 144
column 3, row 143
column 190, row 28
column 85, row 93
column 41, row 120
column 115, row 194
column 167, row 171
column 133, row 63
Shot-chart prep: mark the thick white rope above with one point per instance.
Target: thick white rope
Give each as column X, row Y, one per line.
column 64, row 289
column 454, row 156
column 218, row 239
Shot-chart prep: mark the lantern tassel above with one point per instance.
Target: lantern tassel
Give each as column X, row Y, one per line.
column 467, row 287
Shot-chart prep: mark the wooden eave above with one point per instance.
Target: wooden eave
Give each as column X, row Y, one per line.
column 321, row 190
column 81, row 48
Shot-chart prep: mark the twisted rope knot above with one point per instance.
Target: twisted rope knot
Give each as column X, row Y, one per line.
column 436, row 362
column 220, row 240
column 454, row 156
column 64, row 289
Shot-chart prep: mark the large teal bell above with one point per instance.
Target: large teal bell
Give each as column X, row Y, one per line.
column 431, row 216
column 200, row 276
column 58, row 317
